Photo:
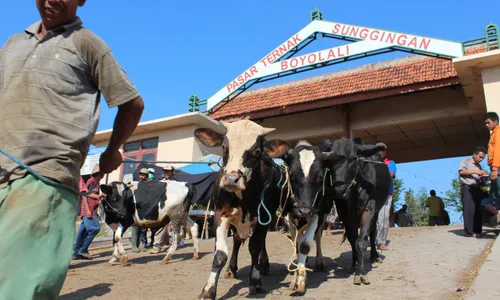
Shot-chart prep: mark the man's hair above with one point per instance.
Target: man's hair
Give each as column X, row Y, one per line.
column 480, row 149
column 433, row 193
column 491, row 115
column 358, row 141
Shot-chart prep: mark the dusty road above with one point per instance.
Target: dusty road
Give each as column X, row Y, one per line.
column 422, row 263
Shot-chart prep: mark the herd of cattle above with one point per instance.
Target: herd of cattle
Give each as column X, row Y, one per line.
column 250, row 185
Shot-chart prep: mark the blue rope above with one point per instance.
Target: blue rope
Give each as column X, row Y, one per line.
column 261, row 204
column 45, row 179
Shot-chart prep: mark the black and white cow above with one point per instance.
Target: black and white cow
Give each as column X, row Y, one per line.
column 361, row 184
column 171, row 203
column 311, row 200
column 248, row 189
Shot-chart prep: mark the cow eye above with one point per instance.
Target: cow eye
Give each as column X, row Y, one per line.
column 258, row 151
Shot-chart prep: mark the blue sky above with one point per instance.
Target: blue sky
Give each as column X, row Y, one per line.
column 171, row 49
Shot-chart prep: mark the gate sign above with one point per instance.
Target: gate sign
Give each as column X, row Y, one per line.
column 91, row 160
column 368, row 39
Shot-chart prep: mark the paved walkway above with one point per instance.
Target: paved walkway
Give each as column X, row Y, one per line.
column 486, row 285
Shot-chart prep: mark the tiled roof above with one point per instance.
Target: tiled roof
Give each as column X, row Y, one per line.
column 375, row 77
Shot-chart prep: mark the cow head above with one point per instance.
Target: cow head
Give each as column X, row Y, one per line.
column 307, row 165
column 119, row 197
column 243, row 146
column 345, row 163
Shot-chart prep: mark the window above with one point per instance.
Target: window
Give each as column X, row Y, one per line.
column 143, row 150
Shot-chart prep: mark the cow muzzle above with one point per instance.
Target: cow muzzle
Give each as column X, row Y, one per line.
column 233, row 182
column 303, row 211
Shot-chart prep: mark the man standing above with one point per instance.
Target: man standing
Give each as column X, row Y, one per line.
column 402, row 218
column 435, row 205
column 470, row 170
column 383, row 221
column 51, row 78
column 90, row 226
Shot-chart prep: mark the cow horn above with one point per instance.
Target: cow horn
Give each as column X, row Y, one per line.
column 267, row 130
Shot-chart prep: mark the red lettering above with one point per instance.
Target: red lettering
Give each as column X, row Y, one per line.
column 347, row 49
column 402, row 40
column 374, row 37
column 331, row 54
column 382, row 37
column 294, row 60
column 228, row 87
column 346, row 31
column 284, row 65
column 336, row 29
column 282, row 49
column 313, row 55
column 276, row 54
column 354, row 31
column 296, row 39
column 413, row 42
column 390, row 38
column 302, row 60
column 339, row 53
column 320, row 58
column 253, row 70
column 363, row 33
column 425, row 43
column 290, row 45
column 270, row 58
column 263, row 61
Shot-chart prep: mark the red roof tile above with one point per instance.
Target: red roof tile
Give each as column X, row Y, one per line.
column 337, row 84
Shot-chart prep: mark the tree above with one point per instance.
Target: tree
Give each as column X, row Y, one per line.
column 453, row 196
column 416, row 205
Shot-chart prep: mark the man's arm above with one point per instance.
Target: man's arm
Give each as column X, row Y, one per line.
column 392, row 169
column 85, row 203
column 126, row 121
column 496, row 153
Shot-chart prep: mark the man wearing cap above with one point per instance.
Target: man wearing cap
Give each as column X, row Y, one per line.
column 168, row 172
column 383, row 221
column 90, row 226
column 139, row 233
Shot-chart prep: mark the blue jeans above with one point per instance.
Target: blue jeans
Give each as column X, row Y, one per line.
column 494, row 189
column 89, row 228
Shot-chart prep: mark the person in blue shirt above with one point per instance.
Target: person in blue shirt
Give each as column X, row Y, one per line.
column 383, row 222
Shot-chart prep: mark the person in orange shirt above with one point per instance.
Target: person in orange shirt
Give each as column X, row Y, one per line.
column 491, row 122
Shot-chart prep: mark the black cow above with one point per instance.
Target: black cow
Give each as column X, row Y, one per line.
column 151, row 205
column 248, row 189
column 361, row 185
column 311, row 199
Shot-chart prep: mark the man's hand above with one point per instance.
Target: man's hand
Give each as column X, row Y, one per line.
column 110, row 160
column 494, row 175
column 88, row 215
column 480, row 172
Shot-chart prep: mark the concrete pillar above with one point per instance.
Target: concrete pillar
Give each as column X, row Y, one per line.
column 491, row 86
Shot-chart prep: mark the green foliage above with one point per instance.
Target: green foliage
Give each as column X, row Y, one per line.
column 416, row 205
column 453, row 196
column 398, row 188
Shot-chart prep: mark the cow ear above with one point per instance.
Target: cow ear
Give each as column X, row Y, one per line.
column 106, row 189
column 209, row 137
column 369, row 150
column 276, row 148
column 328, row 155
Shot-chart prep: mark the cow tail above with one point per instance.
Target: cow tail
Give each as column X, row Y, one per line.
column 190, row 197
column 344, row 236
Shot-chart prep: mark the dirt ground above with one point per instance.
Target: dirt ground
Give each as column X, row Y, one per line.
column 422, row 263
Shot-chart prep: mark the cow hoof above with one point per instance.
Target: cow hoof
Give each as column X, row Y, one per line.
column 293, row 282
column 357, row 280
column 165, row 261
column 210, row 294
column 320, row 267
column 365, row 280
column 254, row 290
column 124, row 261
column 301, row 285
column 230, row 274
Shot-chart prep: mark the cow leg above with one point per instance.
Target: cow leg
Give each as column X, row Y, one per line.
column 320, row 264
column 175, row 242
column 193, row 228
column 219, row 260
column 255, row 247
column 114, row 257
column 352, row 235
column 264, row 258
column 232, row 269
column 374, row 255
column 305, row 242
column 362, row 242
column 118, row 238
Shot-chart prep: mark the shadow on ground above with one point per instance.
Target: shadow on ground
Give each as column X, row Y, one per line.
column 97, row 290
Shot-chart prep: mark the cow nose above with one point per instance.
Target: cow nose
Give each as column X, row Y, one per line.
column 304, row 211
column 231, row 179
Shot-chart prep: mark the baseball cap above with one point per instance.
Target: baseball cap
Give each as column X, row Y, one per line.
column 381, row 145
column 168, row 168
column 151, row 170
column 144, row 171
